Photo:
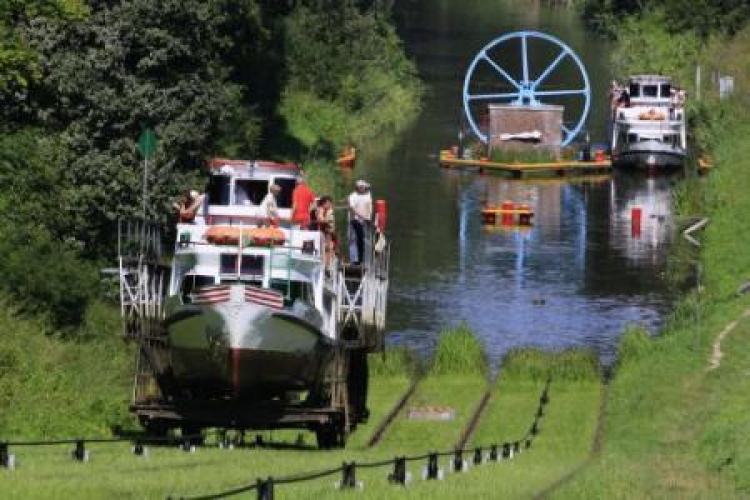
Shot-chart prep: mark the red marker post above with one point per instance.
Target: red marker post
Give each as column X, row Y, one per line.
column 635, row 221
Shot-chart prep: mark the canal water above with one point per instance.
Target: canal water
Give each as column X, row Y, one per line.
column 579, row 276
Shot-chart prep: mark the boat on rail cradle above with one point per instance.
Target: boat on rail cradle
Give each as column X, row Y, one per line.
column 649, row 125
column 250, row 328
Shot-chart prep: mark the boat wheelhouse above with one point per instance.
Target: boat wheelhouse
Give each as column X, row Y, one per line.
column 649, row 128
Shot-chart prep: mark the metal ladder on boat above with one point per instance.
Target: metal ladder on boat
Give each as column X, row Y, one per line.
column 143, row 280
column 363, row 294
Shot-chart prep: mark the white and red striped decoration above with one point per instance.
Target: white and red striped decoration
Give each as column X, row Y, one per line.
column 211, row 295
column 264, row 297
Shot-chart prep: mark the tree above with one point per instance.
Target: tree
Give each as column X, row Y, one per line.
column 348, row 77
column 19, row 63
column 132, row 64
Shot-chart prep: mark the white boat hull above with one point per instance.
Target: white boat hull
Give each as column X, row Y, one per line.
column 245, row 350
column 649, row 154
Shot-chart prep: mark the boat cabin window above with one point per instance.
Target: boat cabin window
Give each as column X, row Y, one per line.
column 650, row 91
column 219, row 190
column 249, row 192
column 635, row 90
column 632, row 138
column 293, row 290
column 251, row 266
column 192, row 282
column 666, row 90
column 284, row 199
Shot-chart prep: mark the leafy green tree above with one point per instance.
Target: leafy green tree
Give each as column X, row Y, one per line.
column 19, row 63
column 703, row 17
column 132, row 64
column 43, row 273
column 347, row 75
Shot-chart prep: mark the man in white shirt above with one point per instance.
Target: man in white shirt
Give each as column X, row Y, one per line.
column 269, row 206
column 360, row 208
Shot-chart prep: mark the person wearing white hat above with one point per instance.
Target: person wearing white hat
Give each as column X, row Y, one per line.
column 360, row 209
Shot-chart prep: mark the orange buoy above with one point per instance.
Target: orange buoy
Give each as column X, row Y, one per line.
column 524, row 217
column 599, row 156
column 489, row 216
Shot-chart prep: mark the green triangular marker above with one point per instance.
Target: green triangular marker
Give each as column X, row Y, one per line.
column 147, row 144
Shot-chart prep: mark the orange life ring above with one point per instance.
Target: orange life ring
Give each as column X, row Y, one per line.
column 261, row 236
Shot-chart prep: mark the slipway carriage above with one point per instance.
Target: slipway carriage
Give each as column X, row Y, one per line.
column 247, row 327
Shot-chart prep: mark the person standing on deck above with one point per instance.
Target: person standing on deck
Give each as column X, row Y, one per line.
column 302, row 200
column 360, row 210
column 269, row 206
column 190, row 207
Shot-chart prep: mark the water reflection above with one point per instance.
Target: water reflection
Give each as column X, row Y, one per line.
column 575, row 278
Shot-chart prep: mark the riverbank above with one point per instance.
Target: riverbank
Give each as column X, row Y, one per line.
column 676, row 424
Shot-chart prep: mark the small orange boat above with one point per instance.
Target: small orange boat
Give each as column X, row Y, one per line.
column 347, row 158
column 259, row 236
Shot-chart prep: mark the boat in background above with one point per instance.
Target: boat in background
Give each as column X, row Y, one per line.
column 347, row 158
column 649, row 129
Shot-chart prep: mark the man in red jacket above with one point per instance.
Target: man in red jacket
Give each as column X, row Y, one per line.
column 302, row 199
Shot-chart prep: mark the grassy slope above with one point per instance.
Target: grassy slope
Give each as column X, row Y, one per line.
column 567, row 429
column 674, row 430
column 457, row 378
column 53, row 387
column 50, row 473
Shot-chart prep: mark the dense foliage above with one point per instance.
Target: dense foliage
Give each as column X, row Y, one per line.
column 702, row 17
column 348, row 78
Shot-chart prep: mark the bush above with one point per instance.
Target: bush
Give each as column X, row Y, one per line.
column 572, row 365
column 44, row 275
column 459, row 352
column 393, row 362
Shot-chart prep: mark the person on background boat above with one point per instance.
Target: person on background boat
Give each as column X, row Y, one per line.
column 269, row 205
column 360, row 209
column 624, row 99
column 681, row 98
column 302, row 200
column 615, row 91
column 189, row 207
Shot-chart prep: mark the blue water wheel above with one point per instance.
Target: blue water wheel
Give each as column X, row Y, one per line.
column 528, row 68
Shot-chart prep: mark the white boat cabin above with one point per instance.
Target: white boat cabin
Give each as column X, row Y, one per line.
column 654, row 111
column 229, row 243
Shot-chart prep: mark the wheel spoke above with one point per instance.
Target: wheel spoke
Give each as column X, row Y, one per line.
column 566, row 130
column 551, row 68
column 483, row 97
column 525, row 57
column 552, row 93
column 501, row 71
